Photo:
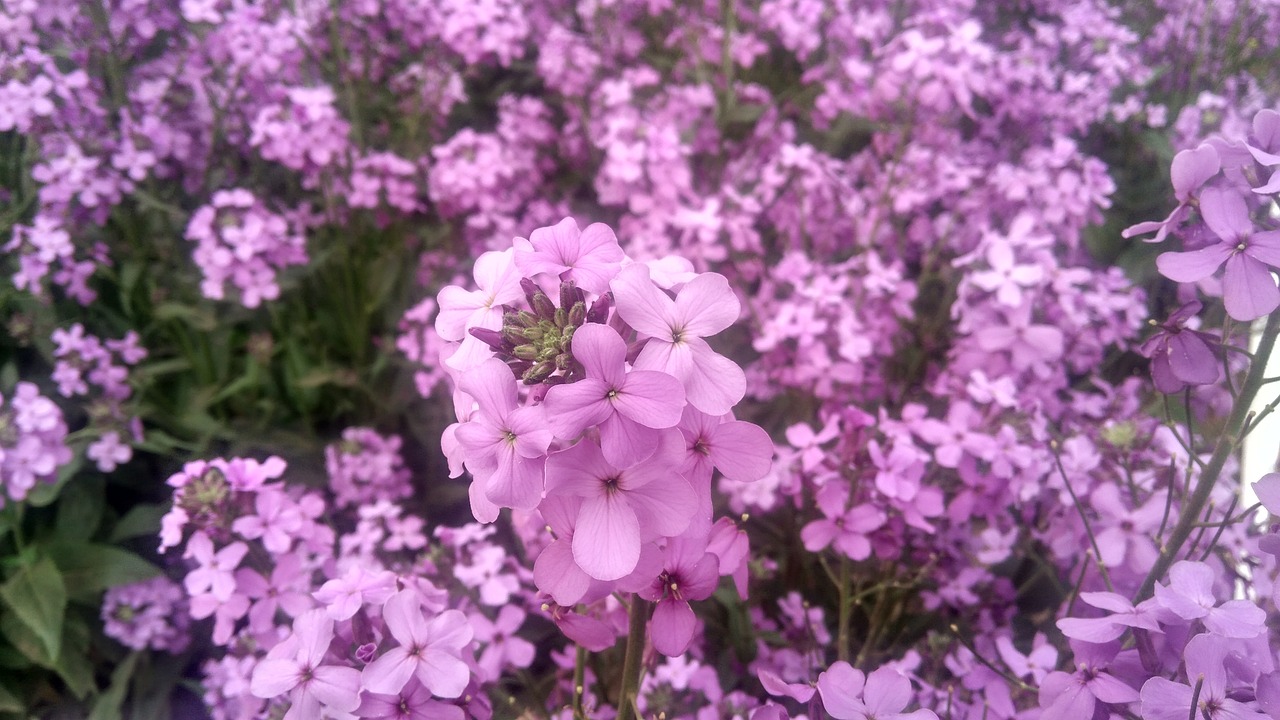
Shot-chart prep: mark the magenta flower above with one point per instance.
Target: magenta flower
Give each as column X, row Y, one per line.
column 690, row 573
column 555, row 572
column 1189, row 595
column 848, row 528
column 1248, row 290
column 847, row 694
column 1181, row 357
column 1191, row 169
column 622, row 507
column 740, row 450
column 414, row 702
column 460, row 310
column 428, row 650
column 296, row 667
column 216, row 572
column 590, row 258
column 628, row 407
column 503, row 648
column 705, row 306
column 1071, row 696
column 1205, row 657
column 505, row 444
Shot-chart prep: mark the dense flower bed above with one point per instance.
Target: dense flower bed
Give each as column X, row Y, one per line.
column 732, row 359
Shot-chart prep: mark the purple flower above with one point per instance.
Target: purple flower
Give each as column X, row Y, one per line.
column 1205, row 658
column 705, row 306
column 505, row 444
column 1181, row 357
column 297, row 667
column 428, row 650
column 629, row 407
column 622, row 507
column 1248, row 290
column 590, row 258
column 1189, row 595
column 847, row 694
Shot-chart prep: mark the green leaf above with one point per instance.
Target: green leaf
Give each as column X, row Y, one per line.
column 73, row 664
column 10, row 702
column 107, row 707
column 37, row 596
column 141, row 520
column 90, row 568
column 80, row 509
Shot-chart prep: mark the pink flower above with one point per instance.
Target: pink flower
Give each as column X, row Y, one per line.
column 691, row 573
column 1248, row 290
column 460, row 310
column 622, row 507
column 310, row 683
column 505, row 444
column 628, row 407
column 847, row 694
column 590, row 258
column 428, row 650
column 704, row 307
column 215, row 573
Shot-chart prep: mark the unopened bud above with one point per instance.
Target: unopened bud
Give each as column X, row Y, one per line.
column 577, row 313
column 599, row 312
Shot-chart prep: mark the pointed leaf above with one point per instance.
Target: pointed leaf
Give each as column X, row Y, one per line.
column 38, row 597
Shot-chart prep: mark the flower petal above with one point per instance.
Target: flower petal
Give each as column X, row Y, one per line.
column 1248, row 290
column 606, row 543
column 706, row 305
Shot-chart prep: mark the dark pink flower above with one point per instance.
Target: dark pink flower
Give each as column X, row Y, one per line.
column 590, row 258
column 428, row 649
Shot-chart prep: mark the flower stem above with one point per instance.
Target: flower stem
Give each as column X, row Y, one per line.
column 846, row 611
column 633, row 664
column 1222, row 451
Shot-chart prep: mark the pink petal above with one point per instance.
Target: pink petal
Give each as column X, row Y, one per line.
column 742, row 451
column 1265, row 247
column 1225, row 213
column 493, row 386
column 450, row 630
column 572, row 408
column 390, row 673
column 666, row 506
column 1094, row 630
column 712, row 383
column 887, row 692
column 457, row 306
column 443, row 674
column 517, row 481
column 498, row 277
column 653, row 399
column 1268, row 491
column 776, row 686
column 606, row 544
column 404, row 617
column 706, row 305
column 315, row 632
column 1248, row 290
column 1193, row 266
column 601, row 351
column 1191, row 360
column 1165, row 700
column 671, row 627
column 1191, row 169
column 555, row 573
column 1115, row 602
column 590, row 633
column 579, row 471
column 626, row 442
column 482, row 508
column 275, row 677
column 1272, row 186
column 336, row 687
column 643, row 306
column 1110, row 689
column 840, row 685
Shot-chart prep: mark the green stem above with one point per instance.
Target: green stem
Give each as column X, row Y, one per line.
column 846, row 611
column 579, row 682
column 633, row 664
column 1222, row 451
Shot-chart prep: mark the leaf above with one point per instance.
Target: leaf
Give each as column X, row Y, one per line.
column 107, row 706
column 141, row 520
column 10, row 702
column 80, row 509
column 37, row 596
column 73, row 664
column 197, row 318
column 90, row 568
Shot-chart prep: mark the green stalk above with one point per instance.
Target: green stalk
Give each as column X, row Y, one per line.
column 1222, row 451
column 846, row 611
column 633, row 664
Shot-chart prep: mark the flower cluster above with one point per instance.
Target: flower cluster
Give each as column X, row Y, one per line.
column 239, row 241
column 89, row 367
column 32, row 441
column 617, row 457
